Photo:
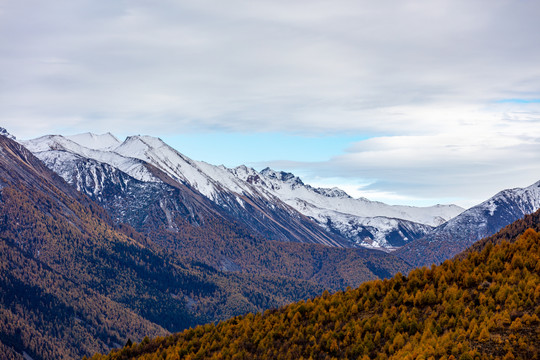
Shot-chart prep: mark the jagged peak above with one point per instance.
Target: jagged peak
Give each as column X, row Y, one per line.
column 288, row 177
column 281, row 175
column 245, row 169
column 245, row 173
column 6, row 133
column 333, row 192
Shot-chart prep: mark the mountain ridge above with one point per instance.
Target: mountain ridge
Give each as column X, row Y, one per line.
column 480, row 221
column 346, row 222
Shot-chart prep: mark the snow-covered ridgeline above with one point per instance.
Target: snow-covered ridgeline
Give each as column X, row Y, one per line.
column 331, row 208
column 97, row 142
column 56, row 147
column 308, row 200
column 492, row 213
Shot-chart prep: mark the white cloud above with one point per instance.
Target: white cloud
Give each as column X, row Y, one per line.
column 466, row 162
column 269, row 65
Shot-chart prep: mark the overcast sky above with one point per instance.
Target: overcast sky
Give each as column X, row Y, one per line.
column 414, row 102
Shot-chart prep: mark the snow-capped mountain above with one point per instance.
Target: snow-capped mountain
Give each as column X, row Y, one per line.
column 274, row 203
column 147, row 184
column 97, row 142
column 294, row 192
column 365, row 222
column 473, row 224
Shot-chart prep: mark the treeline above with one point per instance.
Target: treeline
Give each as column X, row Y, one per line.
column 485, row 306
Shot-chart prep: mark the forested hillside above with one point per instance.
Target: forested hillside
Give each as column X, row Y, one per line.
column 484, row 306
column 71, row 283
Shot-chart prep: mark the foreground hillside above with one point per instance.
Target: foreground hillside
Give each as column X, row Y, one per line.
column 486, row 305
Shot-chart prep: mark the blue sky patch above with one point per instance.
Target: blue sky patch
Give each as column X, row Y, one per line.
column 518, row 101
column 233, row 149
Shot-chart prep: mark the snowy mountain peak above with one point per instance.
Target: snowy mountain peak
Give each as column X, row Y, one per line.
column 333, row 192
column 94, row 141
column 5, row 133
column 243, row 172
column 295, row 182
column 178, row 166
column 479, row 221
column 140, row 146
column 151, row 149
column 50, row 142
column 248, row 174
column 133, row 146
column 282, row 176
column 55, row 149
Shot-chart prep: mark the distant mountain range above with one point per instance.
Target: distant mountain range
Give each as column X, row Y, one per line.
column 473, row 224
column 145, row 183
column 277, row 205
